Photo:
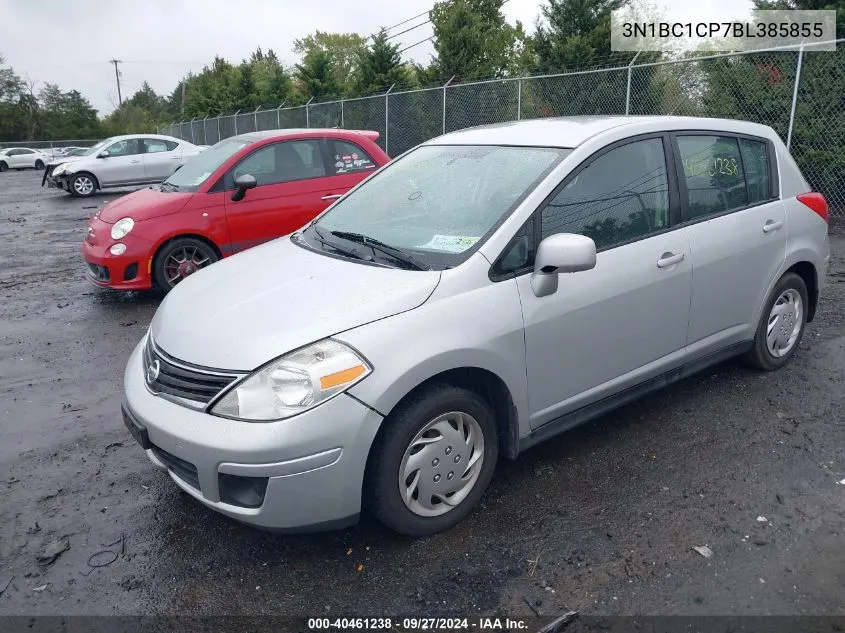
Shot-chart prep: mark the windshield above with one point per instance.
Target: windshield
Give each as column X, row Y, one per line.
column 96, row 148
column 438, row 202
column 199, row 168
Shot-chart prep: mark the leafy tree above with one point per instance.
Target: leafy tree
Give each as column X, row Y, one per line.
column 573, row 34
column 472, row 39
column 343, row 51
column 380, row 66
column 66, row 115
column 147, row 99
column 317, row 76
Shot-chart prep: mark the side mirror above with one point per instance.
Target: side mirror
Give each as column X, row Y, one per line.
column 103, row 154
column 561, row 253
column 242, row 184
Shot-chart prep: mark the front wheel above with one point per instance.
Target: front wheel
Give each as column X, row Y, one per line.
column 83, row 185
column 39, row 164
column 179, row 259
column 781, row 324
column 433, row 461
column 4, row 166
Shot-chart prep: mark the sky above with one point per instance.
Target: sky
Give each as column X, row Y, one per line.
column 161, row 40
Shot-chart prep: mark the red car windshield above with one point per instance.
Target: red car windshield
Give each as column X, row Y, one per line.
column 197, row 170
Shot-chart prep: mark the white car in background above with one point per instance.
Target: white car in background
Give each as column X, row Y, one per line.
column 22, row 158
column 120, row 161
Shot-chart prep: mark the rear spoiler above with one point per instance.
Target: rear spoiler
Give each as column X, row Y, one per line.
column 370, row 134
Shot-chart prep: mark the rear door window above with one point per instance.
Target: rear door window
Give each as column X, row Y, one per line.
column 713, row 173
column 349, row 158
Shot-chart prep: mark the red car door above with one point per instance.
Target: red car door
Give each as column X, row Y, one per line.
column 294, row 185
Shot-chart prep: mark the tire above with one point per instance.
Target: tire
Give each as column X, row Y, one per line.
column 790, row 293
column 83, row 185
column 396, row 444
column 179, row 258
column 3, row 166
column 39, row 164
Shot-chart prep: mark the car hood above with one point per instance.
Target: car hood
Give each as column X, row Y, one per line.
column 251, row 308
column 58, row 160
column 144, row 204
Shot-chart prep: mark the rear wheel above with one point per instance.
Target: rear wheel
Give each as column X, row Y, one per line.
column 39, row 164
column 181, row 258
column 4, row 166
column 781, row 324
column 433, row 460
column 83, row 185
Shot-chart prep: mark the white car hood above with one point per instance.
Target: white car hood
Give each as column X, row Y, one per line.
column 255, row 306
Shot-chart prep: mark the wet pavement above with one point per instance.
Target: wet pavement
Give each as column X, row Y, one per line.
column 601, row 520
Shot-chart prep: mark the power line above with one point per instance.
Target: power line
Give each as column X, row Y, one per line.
column 409, row 29
column 428, row 39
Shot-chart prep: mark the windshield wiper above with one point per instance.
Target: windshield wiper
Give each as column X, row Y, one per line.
column 344, row 251
column 387, row 249
column 168, row 186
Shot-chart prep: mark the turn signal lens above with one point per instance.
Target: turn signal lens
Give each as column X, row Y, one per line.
column 341, row 377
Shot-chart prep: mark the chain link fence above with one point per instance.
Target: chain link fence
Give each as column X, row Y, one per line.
column 798, row 92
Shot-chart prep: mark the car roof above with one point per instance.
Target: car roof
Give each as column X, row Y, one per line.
column 319, row 132
column 120, row 137
column 570, row 132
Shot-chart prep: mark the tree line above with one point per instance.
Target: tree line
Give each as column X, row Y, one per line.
column 472, row 40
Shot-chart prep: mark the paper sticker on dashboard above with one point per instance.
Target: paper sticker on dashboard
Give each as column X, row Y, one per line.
column 450, row 243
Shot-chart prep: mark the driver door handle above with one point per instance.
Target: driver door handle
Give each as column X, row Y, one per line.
column 133, row 162
column 333, row 196
column 670, row 259
column 772, row 225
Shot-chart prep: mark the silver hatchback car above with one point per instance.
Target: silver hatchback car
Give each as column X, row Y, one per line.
column 487, row 290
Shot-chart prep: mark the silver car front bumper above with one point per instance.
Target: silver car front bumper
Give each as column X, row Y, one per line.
column 312, row 464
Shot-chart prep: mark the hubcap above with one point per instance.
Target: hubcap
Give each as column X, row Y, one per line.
column 83, row 185
column 442, row 464
column 785, row 322
column 183, row 262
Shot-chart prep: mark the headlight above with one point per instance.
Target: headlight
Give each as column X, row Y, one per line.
column 121, row 228
column 60, row 169
column 294, row 383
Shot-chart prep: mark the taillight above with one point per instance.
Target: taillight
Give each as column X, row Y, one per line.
column 816, row 202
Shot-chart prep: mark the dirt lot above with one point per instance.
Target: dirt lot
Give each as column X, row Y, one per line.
column 602, row 520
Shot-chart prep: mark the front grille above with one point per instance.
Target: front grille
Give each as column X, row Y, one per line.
column 164, row 374
column 100, row 273
column 186, row 471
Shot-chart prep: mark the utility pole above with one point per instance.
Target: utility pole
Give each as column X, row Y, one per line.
column 117, row 78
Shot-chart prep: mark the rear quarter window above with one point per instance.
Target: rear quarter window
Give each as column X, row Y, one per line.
column 350, row 158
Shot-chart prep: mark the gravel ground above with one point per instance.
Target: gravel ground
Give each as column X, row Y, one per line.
column 601, row 520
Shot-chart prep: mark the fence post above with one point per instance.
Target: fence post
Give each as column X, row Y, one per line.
column 446, row 85
column 192, row 131
column 307, row 116
column 279, row 116
column 218, row 128
column 386, row 128
column 255, row 117
column 235, row 119
column 204, row 133
column 341, row 114
column 519, row 95
column 628, row 91
column 794, row 95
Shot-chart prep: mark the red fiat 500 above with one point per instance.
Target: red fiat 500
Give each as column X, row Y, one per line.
column 243, row 191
